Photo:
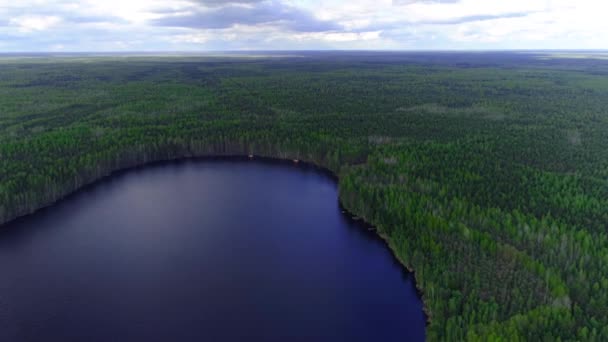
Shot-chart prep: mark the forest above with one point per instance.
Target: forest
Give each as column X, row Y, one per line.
column 487, row 173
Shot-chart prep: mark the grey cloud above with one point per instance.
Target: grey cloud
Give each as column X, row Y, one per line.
column 264, row 12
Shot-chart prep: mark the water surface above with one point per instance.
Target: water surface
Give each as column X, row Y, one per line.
column 203, row 250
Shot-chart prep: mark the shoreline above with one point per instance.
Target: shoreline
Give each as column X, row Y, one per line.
column 301, row 163
column 419, row 290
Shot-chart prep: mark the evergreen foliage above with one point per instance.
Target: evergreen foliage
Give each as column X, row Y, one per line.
column 488, row 178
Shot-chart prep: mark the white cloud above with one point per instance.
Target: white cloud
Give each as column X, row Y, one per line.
column 339, row 36
column 557, row 27
column 192, row 38
column 34, row 22
column 396, row 24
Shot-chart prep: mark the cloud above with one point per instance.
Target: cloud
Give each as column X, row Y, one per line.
column 339, row 36
column 29, row 23
column 470, row 18
column 91, row 19
column 85, row 25
column 215, row 3
column 410, row 2
column 264, row 12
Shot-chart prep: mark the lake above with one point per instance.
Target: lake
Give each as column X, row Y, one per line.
column 215, row 250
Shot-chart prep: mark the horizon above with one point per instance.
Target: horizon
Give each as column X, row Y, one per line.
column 206, row 52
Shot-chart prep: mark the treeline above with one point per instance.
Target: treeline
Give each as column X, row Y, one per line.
column 79, row 156
column 490, row 182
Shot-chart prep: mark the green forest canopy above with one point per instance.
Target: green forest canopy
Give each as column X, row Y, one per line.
column 486, row 172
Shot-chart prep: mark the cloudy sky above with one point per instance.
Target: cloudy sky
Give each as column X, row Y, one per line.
column 183, row 25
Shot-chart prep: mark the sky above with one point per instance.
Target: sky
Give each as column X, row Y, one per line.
column 222, row 25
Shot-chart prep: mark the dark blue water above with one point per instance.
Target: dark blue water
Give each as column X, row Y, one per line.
column 203, row 250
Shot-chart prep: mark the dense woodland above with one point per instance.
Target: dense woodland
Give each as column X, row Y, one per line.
column 487, row 173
